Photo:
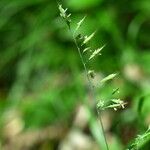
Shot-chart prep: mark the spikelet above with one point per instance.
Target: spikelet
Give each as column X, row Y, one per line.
column 115, row 104
column 80, row 23
column 64, row 15
column 86, row 49
column 115, row 91
column 88, row 38
column 101, row 104
column 96, row 52
column 109, row 77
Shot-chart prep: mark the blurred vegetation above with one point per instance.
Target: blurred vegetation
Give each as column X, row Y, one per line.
column 41, row 76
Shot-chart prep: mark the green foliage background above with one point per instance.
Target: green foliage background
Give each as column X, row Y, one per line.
column 40, row 70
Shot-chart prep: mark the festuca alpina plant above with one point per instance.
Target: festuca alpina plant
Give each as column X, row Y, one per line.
column 84, row 50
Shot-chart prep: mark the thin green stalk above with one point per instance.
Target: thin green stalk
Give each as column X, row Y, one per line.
column 66, row 17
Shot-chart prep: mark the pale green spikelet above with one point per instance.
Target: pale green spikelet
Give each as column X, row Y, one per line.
column 117, row 103
column 100, row 105
column 115, row 91
column 88, row 38
column 114, row 104
column 86, row 49
column 80, row 23
column 96, row 52
column 109, row 77
column 64, row 15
